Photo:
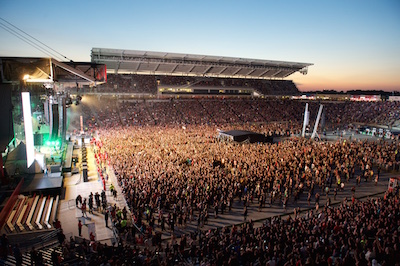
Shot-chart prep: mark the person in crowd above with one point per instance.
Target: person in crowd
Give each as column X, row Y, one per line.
column 80, row 228
column 83, row 209
column 106, row 217
column 78, row 200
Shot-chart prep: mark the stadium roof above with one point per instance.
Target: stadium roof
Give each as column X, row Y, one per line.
column 161, row 63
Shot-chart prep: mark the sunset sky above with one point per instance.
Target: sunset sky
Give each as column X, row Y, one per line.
column 353, row 44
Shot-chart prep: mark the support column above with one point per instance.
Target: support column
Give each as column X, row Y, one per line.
column 306, row 120
column 317, row 122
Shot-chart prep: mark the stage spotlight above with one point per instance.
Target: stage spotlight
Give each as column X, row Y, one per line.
column 68, row 101
column 78, row 99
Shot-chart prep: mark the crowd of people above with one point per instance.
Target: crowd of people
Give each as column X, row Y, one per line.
column 174, row 172
column 353, row 233
column 109, row 112
column 133, row 83
column 173, row 176
column 383, row 113
column 177, row 176
column 129, row 83
column 266, row 87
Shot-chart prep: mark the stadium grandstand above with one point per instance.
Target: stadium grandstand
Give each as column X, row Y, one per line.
column 133, row 71
column 156, row 158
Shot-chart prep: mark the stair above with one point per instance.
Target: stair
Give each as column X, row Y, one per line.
column 26, row 258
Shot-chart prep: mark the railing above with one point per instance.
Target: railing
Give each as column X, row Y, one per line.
column 45, row 240
column 115, row 233
column 71, row 204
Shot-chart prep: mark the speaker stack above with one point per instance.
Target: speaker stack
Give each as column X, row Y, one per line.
column 84, row 162
column 54, row 121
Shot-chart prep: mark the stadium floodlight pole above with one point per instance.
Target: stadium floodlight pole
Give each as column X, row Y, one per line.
column 305, row 122
column 317, row 122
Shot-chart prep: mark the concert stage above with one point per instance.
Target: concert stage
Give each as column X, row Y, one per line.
column 52, row 183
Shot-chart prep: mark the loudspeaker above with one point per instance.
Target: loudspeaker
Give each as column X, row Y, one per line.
column 38, row 139
column 46, row 110
column 62, row 118
column 55, row 168
column 85, row 174
column 54, row 119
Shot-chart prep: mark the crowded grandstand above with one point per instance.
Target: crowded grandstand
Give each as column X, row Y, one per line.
column 189, row 197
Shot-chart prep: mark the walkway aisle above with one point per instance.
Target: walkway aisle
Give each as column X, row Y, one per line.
column 112, row 179
column 69, row 214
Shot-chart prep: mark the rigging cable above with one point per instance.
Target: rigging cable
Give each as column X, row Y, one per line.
column 23, row 38
column 63, row 56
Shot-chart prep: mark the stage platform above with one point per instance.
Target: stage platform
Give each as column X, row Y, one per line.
column 244, row 136
column 52, row 183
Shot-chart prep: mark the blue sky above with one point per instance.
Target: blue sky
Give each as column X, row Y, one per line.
column 353, row 44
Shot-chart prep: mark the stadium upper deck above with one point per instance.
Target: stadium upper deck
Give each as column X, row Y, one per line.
column 161, row 63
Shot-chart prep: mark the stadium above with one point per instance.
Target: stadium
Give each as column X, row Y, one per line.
column 157, row 158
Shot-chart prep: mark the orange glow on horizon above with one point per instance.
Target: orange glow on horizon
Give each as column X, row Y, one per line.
column 342, row 83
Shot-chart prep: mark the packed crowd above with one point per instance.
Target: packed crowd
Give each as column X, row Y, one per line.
column 133, row 83
column 129, row 83
column 109, row 112
column 353, row 233
column 174, row 172
column 174, row 176
column 359, row 233
column 267, row 87
column 385, row 113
